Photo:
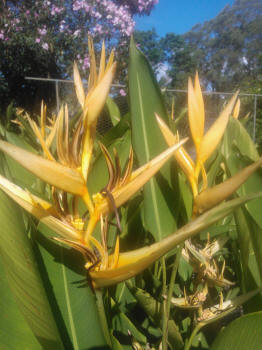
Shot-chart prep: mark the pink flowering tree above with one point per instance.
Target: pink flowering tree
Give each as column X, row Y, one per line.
column 43, row 38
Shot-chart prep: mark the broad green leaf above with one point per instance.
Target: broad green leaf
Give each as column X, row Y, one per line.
column 70, row 294
column 244, row 240
column 117, row 131
column 113, row 111
column 12, row 321
column 145, row 101
column 237, row 136
column 249, row 237
column 23, row 276
column 236, row 148
column 245, row 333
column 252, row 185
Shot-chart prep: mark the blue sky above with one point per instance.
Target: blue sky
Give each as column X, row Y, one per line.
column 179, row 16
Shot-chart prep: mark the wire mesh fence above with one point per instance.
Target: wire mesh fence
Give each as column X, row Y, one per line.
column 214, row 101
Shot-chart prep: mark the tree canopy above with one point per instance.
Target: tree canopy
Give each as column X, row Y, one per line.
column 228, row 47
column 43, row 38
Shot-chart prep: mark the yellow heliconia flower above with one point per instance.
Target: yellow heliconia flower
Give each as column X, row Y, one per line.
column 67, row 171
column 205, row 144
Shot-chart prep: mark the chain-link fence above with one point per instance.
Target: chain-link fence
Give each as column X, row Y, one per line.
column 251, row 104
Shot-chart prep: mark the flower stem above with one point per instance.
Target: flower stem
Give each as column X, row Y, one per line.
column 168, row 300
column 193, row 334
column 172, row 278
column 164, row 308
column 102, row 316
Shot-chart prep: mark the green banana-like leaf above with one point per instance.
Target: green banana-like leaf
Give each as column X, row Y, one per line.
column 237, row 148
column 24, row 279
column 13, row 322
column 145, row 101
column 245, row 333
column 69, row 293
column 249, row 236
column 113, row 111
column 237, row 136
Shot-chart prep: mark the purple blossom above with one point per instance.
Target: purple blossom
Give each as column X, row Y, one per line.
column 37, row 40
column 42, row 31
column 86, row 63
column 122, row 92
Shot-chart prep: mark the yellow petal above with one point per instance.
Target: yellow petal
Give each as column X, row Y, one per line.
column 25, row 199
column 87, row 150
column 52, row 133
column 200, row 102
column 236, row 109
column 102, row 62
column 92, row 80
column 215, row 195
column 55, row 174
column 79, row 86
column 96, row 99
column 39, row 136
column 196, row 114
column 39, row 208
column 182, row 157
column 110, row 60
column 43, row 119
column 138, row 178
column 216, row 131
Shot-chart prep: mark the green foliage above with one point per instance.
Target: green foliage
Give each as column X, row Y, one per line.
column 243, row 334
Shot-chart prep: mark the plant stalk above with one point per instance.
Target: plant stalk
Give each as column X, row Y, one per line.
column 102, row 316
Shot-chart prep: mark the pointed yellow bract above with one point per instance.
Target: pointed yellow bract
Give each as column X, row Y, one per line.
column 39, row 208
column 196, row 113
column 182, row 157
column 215, row 195
column 65, row 178
column 236, row 109
column 97, row 97
column 79, row 86
column 214, row 135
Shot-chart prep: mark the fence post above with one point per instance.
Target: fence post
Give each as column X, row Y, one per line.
column 255, row 118
column 57, row 96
